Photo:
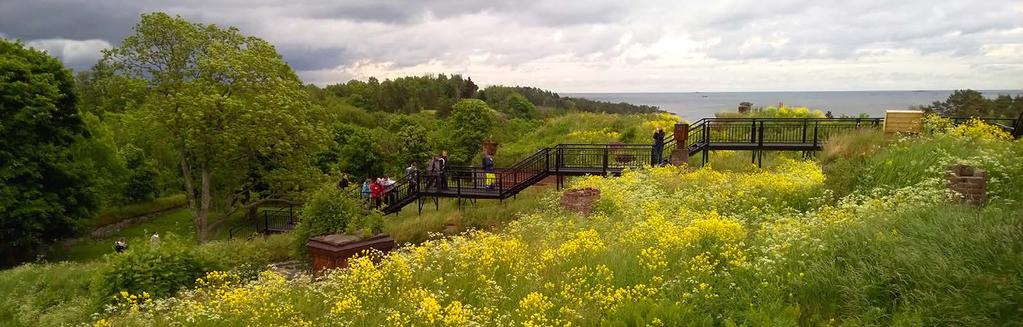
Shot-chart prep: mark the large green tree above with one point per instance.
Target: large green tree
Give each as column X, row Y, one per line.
column 471, row 122
column 230, row 108
column 43, row 193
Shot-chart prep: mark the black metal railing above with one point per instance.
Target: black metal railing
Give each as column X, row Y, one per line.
column 773, row 131
column 279, row 220
column 795, row 134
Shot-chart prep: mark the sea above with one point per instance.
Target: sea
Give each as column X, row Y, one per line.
column 696, row 105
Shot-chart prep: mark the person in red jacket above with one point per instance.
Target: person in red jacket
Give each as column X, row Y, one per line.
column 375, row 190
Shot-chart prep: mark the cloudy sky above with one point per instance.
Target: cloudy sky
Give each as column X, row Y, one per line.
column 595, row 45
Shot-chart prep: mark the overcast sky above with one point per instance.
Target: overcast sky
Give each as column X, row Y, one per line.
column 595, row 45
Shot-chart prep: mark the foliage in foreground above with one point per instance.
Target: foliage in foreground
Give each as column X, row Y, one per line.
column 669, row 246
column 68, row 293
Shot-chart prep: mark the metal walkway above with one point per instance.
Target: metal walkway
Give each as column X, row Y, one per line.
column 709, row 134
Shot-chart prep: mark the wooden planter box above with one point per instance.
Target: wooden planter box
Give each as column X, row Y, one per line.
column 333, row 251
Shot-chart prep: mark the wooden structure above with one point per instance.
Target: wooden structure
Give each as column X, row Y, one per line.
column 903, row 121
column 333, row 251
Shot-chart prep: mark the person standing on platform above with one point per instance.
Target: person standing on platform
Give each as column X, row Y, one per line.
column 488, row 170
column 655, row 158
column 376, row 189
column 442, row 176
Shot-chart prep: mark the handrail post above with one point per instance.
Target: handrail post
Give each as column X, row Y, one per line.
column 753, row 131
column 266, row 222
column 805, row 122
column 760, row 136
column 815, row 124
column 606, row 153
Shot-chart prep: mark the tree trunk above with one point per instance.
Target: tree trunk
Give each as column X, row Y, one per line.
column 186, row 173
column 204, row 205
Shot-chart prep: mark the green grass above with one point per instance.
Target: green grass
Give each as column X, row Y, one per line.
column 742, row 161
column 411, row 226
column 47, row 294
column 178, row 222
column 112, row 215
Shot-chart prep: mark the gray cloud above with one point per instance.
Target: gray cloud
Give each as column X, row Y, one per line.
column 341, row 39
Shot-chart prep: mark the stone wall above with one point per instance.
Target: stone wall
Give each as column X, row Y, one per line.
column 970, row 182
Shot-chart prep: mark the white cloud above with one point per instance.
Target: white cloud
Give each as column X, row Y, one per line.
column 76, row 53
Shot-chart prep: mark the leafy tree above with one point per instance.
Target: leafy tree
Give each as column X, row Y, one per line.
column 406, row 94
column 353, row 152
column 141, row 184
column 519, row 107
column 415, row 146
column 98, row 155
column 970, row 103
column 471, row 122
column 222, row 100
column 43, row 193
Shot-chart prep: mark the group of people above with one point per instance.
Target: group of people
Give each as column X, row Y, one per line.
column 379, row 191
column 374, row 190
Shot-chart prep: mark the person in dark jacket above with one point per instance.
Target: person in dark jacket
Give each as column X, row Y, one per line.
column 655, row 158
column 488, row 171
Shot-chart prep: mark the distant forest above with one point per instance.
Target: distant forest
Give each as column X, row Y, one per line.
column 439, row 92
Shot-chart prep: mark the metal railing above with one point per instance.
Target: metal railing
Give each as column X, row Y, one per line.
column 758, row 134
column 279, row 220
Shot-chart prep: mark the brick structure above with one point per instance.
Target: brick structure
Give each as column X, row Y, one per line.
column 490, row 147
column 333, row 251
column 969, row 182
column 680, row 154
column 580, row 200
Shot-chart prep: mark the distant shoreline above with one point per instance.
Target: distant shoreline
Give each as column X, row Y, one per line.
column 697, row 104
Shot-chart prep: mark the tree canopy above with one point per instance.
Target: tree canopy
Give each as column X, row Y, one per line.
column 471, row 122
column 233, row 112
column 970, row 103
column 43, row 193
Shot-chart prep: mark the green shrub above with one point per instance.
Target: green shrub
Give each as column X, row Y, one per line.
column 159, row 269
column 245, row 257
column 331, row 210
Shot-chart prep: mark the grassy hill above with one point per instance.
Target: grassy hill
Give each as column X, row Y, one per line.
column 677, row 246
